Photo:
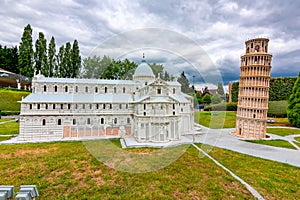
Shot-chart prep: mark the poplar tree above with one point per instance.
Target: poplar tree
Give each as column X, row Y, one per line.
column 75, row 60
column 25, row 59
column 40, row 55
column 52, row 64
column 59, row 70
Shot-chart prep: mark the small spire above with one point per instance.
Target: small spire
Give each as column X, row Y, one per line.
column 143, row 60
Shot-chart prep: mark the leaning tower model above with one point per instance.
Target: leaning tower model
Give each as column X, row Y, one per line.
column 253, row 96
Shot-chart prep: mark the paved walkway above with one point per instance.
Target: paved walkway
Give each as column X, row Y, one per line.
column 223, row 139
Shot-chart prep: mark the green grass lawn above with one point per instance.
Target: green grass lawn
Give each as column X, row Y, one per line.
column 6, row 119
column 9, row 128
column 9, row 99
column 66, row 170
column 2, row 138
column 275, row 143
column 283, row 131
column 297, row 138
column 220, row 119
column 271, row 179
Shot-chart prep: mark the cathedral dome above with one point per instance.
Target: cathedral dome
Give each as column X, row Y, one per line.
column 143, row 72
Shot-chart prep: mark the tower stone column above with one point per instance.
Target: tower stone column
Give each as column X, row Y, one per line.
column 253, row 94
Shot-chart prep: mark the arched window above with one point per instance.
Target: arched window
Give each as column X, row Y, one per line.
column 102, row 121
column 66, row 88
column 120, row 106
column 96, row 89
column 30, row 106
column 53, row 106
column 174, row 90
column 115, row 120
column 59, row 122
column 74, row 121
column 115, row 90
column 43, row 122
column 124, row 89
column 55, row 88
column 88, row 121
column 45, row 88
column 105, row 90
column 128, row 120
column 38, row 106
column 144, row 106
column 86, row 89
column 61, row 106
column 46, row 106
column 76, row 88
column 69, row 106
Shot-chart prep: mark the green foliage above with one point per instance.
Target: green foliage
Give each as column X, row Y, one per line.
column 120, row 69
column 185, row 84
column 277, row 109
column 52, row 64
column 235, row 91
column 199, row 98
column 75, row 60
column 9, row 59
column 40, row 55
column 207, row 99
column 222, row 107
column 26, row 53
column 159, row 69
column 93, row 67
column 293, row 111
column 220, row 90
column 9, row 99
column 281, row 88
column 215, row 99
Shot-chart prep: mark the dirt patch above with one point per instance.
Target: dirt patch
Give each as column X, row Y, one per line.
column 35, row 151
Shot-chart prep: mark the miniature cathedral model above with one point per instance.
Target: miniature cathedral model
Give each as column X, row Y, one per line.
column 146, row 108
column 254, row 90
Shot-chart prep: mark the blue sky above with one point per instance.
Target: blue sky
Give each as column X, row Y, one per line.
column 219, row 27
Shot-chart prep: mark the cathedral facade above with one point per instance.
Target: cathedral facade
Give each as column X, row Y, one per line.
column 146, row 108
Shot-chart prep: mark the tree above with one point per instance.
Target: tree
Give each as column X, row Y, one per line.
column 199, row 98
column 66, row 70
column 207, row 99
column 52, row 64
column 25, row 58
column 220, row 89
column 40, row 55
column 157, row 69
column 215, row 99
column 119, row 70
column 75, row 60
column 9, row 59
column 185, row 84
column 60, row 69
column 293, row 110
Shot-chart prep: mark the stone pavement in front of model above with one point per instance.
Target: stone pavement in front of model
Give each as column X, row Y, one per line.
column 223, row 139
